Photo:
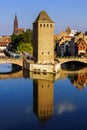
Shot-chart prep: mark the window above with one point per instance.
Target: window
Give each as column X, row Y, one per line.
column 40, row 25
column 44, row 25
column 44, row 112
column 44, row 72
column 48, row 86
column 47, row 25
column 51, row 25
column 40, row 112
column 81, row 47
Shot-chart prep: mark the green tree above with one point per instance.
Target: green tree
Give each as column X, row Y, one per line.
column 22, row 42
column 27, row 47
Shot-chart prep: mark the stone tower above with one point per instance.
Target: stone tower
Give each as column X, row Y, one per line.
column 43, row 39
column 15, row 25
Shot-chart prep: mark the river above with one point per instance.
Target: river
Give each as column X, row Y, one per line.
column 31, row 101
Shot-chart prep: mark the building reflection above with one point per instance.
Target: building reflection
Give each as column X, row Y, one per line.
column 43, row 89
column 43, row 98
column 43, row 93
column 77, row 78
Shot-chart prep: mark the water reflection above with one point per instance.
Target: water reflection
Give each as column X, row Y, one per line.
column 77, row 78
column 43, row 98
column 44, row 101
column 73, row 65
column 65, row 107
column 7, row 68
column 43, row 91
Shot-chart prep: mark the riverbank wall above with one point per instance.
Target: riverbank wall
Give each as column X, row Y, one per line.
column 38, row 68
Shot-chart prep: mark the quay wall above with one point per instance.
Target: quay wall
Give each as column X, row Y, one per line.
column 45, row 68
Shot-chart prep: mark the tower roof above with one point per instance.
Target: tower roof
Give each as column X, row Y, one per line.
column 15, row 16
column 43, row 17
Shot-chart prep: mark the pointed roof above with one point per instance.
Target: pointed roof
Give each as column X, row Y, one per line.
column 16, row 17
column 43, row 17
column 81, row 41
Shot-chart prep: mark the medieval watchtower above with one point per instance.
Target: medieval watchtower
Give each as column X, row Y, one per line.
column 43, row 44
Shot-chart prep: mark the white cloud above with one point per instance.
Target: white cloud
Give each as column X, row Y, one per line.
column 65, row 107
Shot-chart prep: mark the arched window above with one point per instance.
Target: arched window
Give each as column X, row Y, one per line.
column 44, row 25
column 47, row 25
column 51, row 25
column 40, row 25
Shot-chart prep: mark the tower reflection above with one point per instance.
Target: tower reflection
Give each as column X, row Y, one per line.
column 43, row 89
column 43, row 98
column 43, row 93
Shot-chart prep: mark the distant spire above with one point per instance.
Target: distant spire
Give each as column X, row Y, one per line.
column 16, row 17
column 15, row 24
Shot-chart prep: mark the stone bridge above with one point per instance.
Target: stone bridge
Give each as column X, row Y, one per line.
column 79, row 59
column 18, row 61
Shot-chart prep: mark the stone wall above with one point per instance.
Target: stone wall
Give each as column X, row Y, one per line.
column 38, row 68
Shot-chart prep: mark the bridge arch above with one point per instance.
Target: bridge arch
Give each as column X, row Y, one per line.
column 65, row 60
column 18, row 61
column 74, row 62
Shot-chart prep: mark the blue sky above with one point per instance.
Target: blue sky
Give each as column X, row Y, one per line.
column 63, row 12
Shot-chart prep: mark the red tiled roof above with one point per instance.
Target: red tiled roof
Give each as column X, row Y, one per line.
column 68, row 36
column 3, row 43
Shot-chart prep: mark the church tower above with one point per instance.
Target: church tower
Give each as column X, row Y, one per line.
column 43, row 39
column 15, row 25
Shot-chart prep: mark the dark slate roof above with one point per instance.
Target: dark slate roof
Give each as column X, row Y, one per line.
column 43, row 17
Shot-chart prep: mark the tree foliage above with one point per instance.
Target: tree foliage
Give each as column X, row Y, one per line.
column 25, row 47
column 22, row 42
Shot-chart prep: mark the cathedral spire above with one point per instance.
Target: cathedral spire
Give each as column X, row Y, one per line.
column 15, row 24
column 16, row 29
column 16, row 17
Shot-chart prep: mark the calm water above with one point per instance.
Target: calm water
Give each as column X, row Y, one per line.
column 29, row 103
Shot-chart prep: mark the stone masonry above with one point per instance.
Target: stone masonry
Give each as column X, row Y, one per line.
column 43, row 42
